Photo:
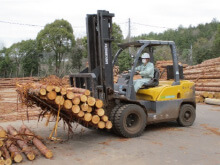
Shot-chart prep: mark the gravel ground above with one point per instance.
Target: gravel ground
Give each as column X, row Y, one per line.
column 164, row 143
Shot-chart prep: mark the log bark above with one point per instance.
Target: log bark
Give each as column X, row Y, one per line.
column 6, row 155
column 39, row 145
column 210, row 89
column 79, row 90
column 214, row 76
column 208, row 84
column 212, row 101
column 21, row 143
column 15, row 153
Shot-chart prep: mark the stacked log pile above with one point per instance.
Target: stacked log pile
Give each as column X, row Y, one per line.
column 206, row 77
column 13, row 143
column 162, row 65
column 11, row 82
column 68, row 103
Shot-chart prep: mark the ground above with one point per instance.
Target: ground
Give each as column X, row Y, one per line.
column 164, row 143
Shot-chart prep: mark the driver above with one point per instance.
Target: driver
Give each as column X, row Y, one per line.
column 146, row 70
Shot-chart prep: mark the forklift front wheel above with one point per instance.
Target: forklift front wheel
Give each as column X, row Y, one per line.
column 187, row 115
column 130, row 120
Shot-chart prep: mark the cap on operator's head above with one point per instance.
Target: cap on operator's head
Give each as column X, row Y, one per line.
column 145, row 55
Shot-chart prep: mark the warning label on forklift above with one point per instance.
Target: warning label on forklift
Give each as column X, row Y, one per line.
column 167, row 97
column 106, row 53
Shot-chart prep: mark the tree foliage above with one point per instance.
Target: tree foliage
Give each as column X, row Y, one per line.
column 58, row 38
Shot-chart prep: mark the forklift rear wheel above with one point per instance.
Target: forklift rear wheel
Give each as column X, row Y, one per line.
column 187, row 115
column 130, row 120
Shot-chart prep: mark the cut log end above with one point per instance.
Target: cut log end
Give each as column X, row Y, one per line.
column 99, row 103
column 91, row 101
column 1, row 143
column 100, row 112
column 84, row 107
column 88, row 117
column 8, row 161
column 75, row 109
column 2, row 162
column 108, row 125
column 52, row 95
column 68, row 104
column 101, row 124
column 81, row 114
column 104, row 118
column 43, row 92
column 83, row 98
column 76, row 100
column 18, row 158
column 95, row 119
column 30, row 156
column 70, row 95
column 49, row 154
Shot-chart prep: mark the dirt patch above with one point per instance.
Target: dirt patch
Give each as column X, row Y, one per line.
column 113, row 140
column 157, row 143
column 211, row 129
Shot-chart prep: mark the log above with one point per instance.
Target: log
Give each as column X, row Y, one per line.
column 75, row 109
column 21, row 143
column 88, row 117
column 214, row 76
column 99, row 103
column 57, row 89
column 43, row 92
column 83, row 98
column 101, row 124
column 2, row 161
column 208, row 84
column 95, row 119
column 1, row 143
column 68, row 104
column 49, row 88
column 81, row 114
column 104, row 118
column 84, row 107
column 3, row 133
column 89, row 109
column 70, row 95
column 52, row 95
column 6, row 155
column 59, row 100
column 63, row 91
column 108, row 125
column 91, row 101
column 79, row 90
column 76, row 100
column 212, row 101
column 100, row 112
column 39, row 145
column 15, row 153
column 210, row 89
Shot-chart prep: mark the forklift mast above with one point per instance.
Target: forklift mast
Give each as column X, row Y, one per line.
column 98, row 77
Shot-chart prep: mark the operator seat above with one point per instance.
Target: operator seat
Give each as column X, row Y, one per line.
column 154, row 81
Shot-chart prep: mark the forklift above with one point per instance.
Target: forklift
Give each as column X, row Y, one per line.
column 130, row 112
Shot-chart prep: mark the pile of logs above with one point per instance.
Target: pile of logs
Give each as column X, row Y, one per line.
column 162, row 65
column 70, row 104
column 116, row 73
column 13, row 143
column 206, row 77
column 11, row 82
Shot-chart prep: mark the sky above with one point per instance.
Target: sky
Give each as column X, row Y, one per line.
column 17, row 16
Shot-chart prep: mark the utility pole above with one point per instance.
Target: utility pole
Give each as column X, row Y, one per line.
column 129, row 34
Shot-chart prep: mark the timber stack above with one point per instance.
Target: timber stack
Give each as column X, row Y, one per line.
column 68, row 103
column 14, row 144
column 207, row 79
column 162, row 65
column 11, row 82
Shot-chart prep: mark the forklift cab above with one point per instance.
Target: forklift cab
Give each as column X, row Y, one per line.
column 125, row 84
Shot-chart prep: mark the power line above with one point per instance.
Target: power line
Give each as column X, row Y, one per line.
column 22, row 24
column 152, row 25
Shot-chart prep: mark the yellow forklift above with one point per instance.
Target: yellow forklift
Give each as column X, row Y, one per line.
column 130, row 112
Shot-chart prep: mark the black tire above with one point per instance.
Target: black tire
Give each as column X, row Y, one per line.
column 187, row 115
column 130, row 120
column 112, row 117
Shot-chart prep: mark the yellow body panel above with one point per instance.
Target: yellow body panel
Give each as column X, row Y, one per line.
column 165, row 91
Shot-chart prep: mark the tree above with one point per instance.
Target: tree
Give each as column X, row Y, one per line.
column 118, row 37
column 30, row 60
column 216, row 46
column 58, row 38
column 6, row 64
